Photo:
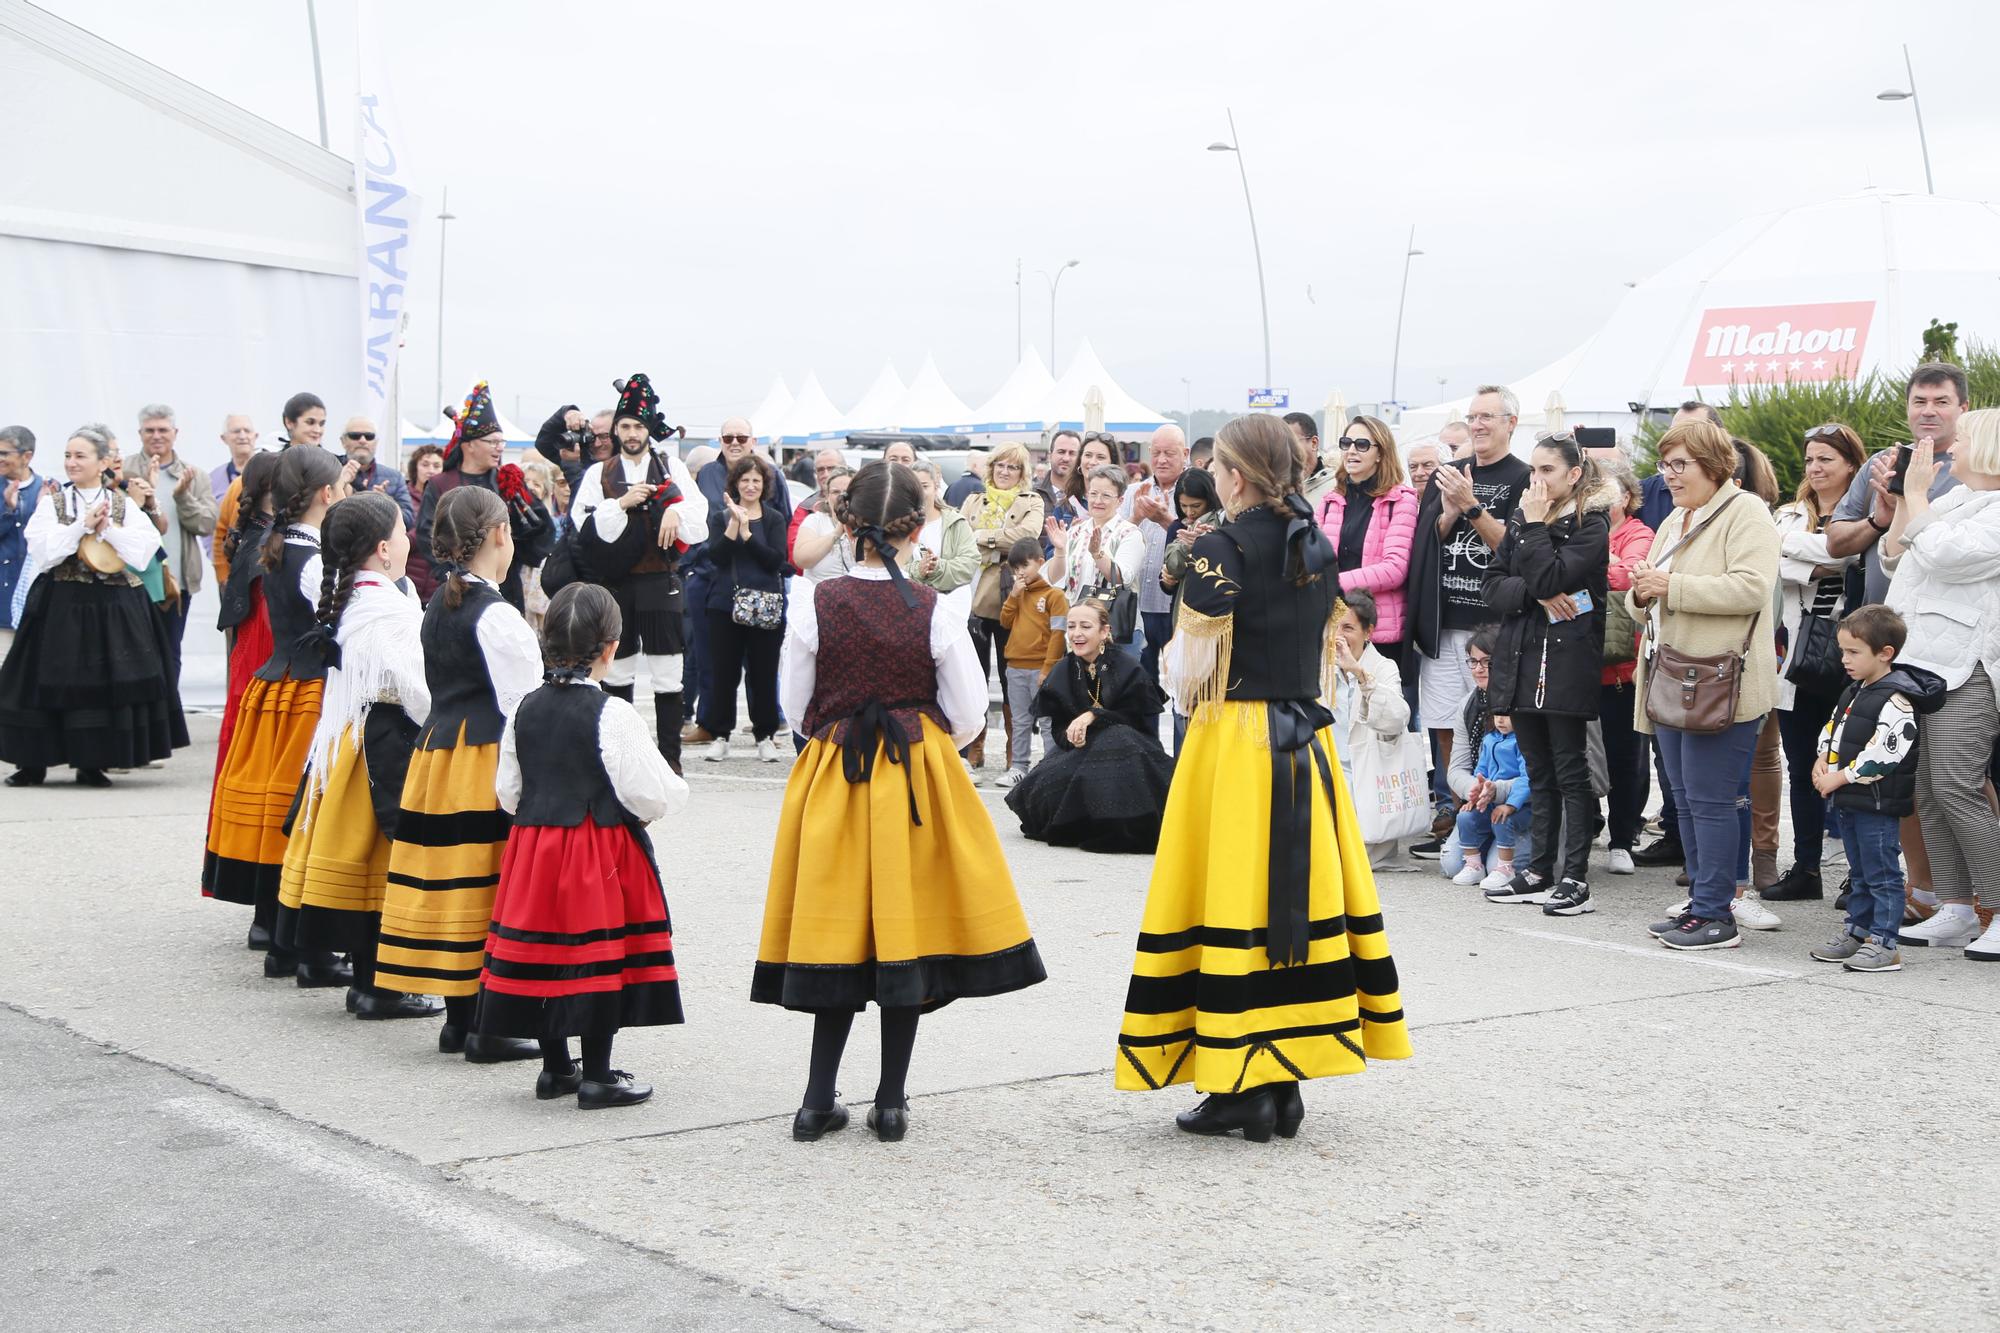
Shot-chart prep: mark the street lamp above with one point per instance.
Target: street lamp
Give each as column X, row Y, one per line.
column 1235, row 146
column 1054, row 283
column 1910, row 94
column 1187, row 385
column 1410, row 252
column 444, row 217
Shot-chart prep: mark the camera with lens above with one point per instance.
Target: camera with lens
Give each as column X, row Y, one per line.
column 580, row 440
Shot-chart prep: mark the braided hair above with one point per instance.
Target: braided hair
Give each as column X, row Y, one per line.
column 257, row 476
column 582, row 618
column 354, row 528
column 886, row 496
column 464, row 517
column 302, row 474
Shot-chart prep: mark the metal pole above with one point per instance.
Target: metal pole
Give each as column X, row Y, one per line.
column 1917, row 104
column 319, row 80
column 1017, row 312
column 1396, row 356
column 1188, row 385
column 444, row 225
column 1256, row 248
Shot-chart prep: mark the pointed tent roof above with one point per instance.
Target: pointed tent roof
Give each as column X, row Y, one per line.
column 930, row 405
column 1063, row 403
column 513, row 434
column 410, row 434
column 812, row 413
column 1017, row 404
column 876, row 409
column 777, row 402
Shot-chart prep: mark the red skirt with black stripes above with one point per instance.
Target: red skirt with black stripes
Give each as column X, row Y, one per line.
column 581, row 944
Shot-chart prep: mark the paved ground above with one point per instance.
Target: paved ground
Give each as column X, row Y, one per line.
column 1594, row 1133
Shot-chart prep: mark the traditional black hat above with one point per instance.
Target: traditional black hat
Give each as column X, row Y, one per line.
column 476, row 419
column 637, row 400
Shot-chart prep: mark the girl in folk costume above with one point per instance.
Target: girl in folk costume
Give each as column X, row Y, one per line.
column 243, row 620
column 887, row 882
column 277, row 716
column 581, row 945
column 88, row 682
column 1262, row 960
column 480, row 661
column 1104, row 785
column 337, row 862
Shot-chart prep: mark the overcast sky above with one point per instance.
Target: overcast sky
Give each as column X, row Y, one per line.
column 720, row 193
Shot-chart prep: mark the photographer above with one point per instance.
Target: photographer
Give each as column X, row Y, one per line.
column 573, row 442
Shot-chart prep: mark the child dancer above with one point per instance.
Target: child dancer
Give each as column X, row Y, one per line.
column 337, row 862
column 276, row 718
column 581, row 944
column 887, row 882
column 480, row 661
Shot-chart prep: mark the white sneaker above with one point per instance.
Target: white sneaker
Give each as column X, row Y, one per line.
column 1621, row 862
column 767, row 752
column 1751, row 914
column 1009, row 779
column 1681, row 908
column 1955, row 926
column 970, row 771
column 1473, row 874
column 1986, row 949
column 718, row 750
column 1498, row 879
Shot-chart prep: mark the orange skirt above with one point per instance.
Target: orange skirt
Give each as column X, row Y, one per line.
column 260, row 779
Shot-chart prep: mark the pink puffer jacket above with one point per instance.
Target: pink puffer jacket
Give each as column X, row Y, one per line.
column 1385, row 553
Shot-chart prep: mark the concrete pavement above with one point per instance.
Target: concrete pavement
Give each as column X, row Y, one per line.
column 1594, row 1133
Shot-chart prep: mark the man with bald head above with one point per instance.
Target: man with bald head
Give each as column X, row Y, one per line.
column 1455, row 440
column 737, row 441
column 1150, row 504
column 362, row 473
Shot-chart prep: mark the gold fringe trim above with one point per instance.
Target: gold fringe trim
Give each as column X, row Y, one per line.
column 1195, row 665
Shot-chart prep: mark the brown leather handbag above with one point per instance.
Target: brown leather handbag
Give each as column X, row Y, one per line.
column 1688, row 692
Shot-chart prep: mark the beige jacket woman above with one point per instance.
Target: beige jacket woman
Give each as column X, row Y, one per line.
column 1716, row 586
column 1023, row 519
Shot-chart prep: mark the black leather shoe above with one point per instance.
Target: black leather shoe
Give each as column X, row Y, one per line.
column 890, row 1123
column 27, row 777
column 1846, row 892
column 92, row 777
column 384, row 1004
column 1291, row 1109
column 1254, row 1112
column 549, row 1086
column 451, row 1040
column 808, row 1126
column 277, row 965
column 1662, row 851
column 321, row 975
column 481, row 1049
column 621, row 1090
column 259, row 939
column 1795, row 885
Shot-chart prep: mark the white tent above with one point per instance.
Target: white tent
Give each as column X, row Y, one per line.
column 876, row 410
column 776, row 403
column 930, row 405
column 1841, row 286
column 1123, row 414
column 411, row 435
column 1015, row 408
column 812, row 414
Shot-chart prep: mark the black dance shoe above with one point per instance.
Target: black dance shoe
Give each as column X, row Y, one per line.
column 1254, row 1112
column 620, row 1090
column 386, row 1004
column 279, row 965
column 324, row 974
column 808, row 1125
column 481, row 1049
column 1291, row 1108
column 92, row 777
column 259, row 939
column 890, row 1123
column 27, row 777
column 549, row 1086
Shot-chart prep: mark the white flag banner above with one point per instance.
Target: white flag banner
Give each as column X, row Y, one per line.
column 388, row 216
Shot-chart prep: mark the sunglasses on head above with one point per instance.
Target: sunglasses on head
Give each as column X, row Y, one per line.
column 361, row 435
column 1105, row 437
column 1352, row 444
column 736, row 439
column 1832, row 433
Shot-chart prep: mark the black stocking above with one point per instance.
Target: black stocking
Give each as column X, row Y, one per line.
column 899, row 1042
column 830, row 1029
column 555, row 1057
column 667, row 719
column 362, row 956
column 596, row 1058
column 458, row 1011
column 617, row 691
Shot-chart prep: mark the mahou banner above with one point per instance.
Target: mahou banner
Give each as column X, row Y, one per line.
column 1774, row 343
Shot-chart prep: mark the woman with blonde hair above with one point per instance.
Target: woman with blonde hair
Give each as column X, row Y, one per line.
column 1370, row 517
column 1261, row 959
column 1008, row 510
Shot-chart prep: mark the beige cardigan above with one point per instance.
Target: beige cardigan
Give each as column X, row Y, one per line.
column 1715, row 586
column 1024, row 519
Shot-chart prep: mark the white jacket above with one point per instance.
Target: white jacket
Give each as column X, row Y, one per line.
column 1946, row 586
column 1380, row 709
column 1800, row 551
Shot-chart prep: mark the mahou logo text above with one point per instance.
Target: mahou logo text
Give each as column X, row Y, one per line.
column 1770, row 344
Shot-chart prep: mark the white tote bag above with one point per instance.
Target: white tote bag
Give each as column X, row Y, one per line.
column 1390, row 783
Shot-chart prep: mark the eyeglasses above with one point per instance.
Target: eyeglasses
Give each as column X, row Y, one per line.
column 1673, row 467
column 600, row 435
column 1350, row 445
column 1478, row 663
column 736, row 439
column 361, row 435
column 1482, row 418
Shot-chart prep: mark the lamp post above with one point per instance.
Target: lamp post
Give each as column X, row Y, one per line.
column 1410, row 252
column 1235, row 146
column 444, row 217
column 319, row 79
column 1017, row 312
column 1054, row 282
column 1187, row 386
column 1910, row 94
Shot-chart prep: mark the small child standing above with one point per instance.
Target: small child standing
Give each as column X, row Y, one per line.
column 1868, row 767
column 581, row 944
column 1496, row 812
column 1034, row 617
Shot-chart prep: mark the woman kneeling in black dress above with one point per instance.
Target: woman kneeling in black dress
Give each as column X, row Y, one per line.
column 1106, row 784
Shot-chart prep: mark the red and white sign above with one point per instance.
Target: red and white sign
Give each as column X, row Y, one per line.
column 1774, row 343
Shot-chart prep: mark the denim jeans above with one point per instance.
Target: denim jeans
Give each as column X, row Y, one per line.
column 1477, row 829
column 1155, row 628
column 1875, row 860
column 1709, row 777
column 1451, row 856
column 694, row 668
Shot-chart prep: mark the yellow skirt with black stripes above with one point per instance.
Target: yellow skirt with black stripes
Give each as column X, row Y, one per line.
column 1205, row 1005
column 337, row 862
column 893, row 890
column 443, row 869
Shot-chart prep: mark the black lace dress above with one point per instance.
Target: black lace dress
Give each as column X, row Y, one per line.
column 1108, row 794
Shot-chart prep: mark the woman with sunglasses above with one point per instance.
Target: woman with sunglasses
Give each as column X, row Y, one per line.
column 1370, row 517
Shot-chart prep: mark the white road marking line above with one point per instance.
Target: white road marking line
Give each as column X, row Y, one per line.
column 1658, row 952
column 426, row 1205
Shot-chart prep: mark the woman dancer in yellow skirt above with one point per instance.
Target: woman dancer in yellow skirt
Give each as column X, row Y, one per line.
column 1262, row 960
column 276, row 718
column 887, row 882
column 337, row 862
column 480, row 660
